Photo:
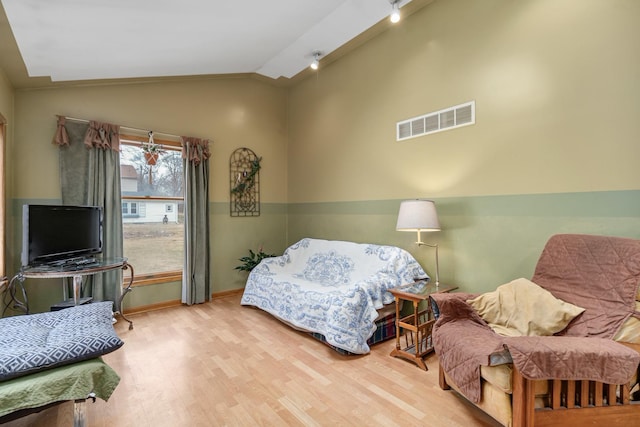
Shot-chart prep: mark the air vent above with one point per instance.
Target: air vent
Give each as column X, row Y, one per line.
column 437, row 121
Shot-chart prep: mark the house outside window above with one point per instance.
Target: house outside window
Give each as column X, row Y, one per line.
column 152, row 211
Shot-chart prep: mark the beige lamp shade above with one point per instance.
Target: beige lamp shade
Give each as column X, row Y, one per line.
column 418, row 215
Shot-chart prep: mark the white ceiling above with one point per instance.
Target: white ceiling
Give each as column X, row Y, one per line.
column 105, row 39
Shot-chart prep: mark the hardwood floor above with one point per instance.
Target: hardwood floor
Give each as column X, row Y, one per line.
column 222, row 364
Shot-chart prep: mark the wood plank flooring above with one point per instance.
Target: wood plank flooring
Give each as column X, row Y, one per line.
column 222, row 364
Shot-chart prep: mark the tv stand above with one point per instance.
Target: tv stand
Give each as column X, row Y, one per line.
column 75, row 270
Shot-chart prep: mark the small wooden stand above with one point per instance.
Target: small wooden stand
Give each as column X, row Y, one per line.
column 418, row 325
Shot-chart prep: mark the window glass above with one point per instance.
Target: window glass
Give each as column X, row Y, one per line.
column 152, row 210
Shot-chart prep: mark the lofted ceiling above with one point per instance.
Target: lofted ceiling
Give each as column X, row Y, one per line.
column 72, row 40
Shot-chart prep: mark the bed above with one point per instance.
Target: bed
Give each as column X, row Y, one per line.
column 49, row 358
column 332, row 289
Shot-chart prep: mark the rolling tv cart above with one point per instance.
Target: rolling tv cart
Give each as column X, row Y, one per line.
column 75, row 270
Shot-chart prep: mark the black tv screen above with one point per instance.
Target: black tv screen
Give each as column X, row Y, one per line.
column 56, row 232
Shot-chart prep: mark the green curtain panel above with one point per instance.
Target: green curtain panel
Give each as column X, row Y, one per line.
column 195, row 277
column 90, row 175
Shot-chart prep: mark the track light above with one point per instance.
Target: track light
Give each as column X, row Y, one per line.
column 395, row 11
column 316, row 60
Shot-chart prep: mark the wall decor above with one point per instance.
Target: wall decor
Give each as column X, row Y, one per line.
column 244, row 173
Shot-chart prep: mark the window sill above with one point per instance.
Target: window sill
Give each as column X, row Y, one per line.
column 155, row 278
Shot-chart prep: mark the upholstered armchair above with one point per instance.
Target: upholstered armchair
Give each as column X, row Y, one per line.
column 567, row 351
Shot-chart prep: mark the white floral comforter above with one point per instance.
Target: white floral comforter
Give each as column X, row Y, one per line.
column 331, row 287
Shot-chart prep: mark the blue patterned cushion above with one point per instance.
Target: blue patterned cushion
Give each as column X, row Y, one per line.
column 36, row 342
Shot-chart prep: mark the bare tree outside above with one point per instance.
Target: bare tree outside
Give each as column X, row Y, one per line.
column 171, row 181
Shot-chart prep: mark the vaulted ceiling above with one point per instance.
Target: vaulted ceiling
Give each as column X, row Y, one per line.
column 70, row 40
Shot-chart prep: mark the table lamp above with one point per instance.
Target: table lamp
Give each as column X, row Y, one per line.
column 420, row 215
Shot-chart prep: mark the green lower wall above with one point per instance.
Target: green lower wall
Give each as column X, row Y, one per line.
column 485, row 241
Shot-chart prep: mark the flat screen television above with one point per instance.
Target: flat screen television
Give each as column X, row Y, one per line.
column 57, row 232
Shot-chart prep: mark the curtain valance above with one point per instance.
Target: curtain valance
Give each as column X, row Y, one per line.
column 98, row 135
column 61, row 137
column 102, row 135
column 195, row 150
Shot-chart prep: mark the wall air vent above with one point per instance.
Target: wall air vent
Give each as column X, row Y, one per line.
column 437, row 121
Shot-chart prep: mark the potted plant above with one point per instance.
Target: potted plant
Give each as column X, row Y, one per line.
column 254, row 258
column 152, row 150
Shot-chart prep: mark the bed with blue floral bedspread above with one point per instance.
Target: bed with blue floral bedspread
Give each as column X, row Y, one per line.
column 330, row 287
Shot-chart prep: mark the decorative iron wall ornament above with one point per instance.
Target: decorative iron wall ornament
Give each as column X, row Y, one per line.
column 244, row 172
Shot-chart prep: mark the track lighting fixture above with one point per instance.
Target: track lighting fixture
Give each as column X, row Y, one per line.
column 316, row 60
column 395, row 11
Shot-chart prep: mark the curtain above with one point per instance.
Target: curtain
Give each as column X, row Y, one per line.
column 195, row 276
column 90, row 175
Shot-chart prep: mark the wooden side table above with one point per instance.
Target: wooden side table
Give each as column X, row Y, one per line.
column 418, row 325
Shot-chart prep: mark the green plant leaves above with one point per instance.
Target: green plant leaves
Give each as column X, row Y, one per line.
column 251, row 261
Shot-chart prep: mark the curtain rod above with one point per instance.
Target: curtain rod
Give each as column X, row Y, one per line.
column 127, row 127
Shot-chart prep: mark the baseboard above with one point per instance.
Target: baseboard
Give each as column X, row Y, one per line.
column 152, row 307
column 177, row 302
column 226, row 294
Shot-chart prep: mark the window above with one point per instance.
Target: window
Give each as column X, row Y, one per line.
column 129, row 209
column 152, row 210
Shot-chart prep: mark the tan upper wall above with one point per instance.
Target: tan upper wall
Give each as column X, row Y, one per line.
column 232, row 112
column 557, row 95
column 555, row 84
